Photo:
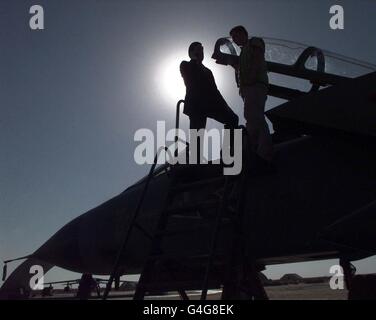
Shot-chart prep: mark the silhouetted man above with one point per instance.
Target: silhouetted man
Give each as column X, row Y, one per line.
column 254, row 83
column 203, row 99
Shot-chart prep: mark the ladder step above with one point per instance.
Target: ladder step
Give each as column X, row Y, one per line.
column 191, row 230
column 192, row 269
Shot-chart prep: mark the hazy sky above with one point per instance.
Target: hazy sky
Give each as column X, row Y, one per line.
column 72, row 95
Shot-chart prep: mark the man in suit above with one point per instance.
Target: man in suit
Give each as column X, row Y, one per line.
column 203, row 99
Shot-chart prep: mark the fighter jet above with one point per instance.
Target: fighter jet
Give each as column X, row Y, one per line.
column 320, row 203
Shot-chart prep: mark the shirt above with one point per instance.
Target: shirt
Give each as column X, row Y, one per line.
column 247, row 64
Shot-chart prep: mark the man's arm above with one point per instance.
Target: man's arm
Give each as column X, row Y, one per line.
column 190, row 78
column 192, row 83
column 184, row 71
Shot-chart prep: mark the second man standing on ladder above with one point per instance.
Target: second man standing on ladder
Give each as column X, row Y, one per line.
column 253, row 82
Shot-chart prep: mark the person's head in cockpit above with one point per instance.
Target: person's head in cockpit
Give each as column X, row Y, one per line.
column 196, row 52
column 239, row 35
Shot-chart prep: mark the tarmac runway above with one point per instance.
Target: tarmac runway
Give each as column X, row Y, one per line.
column 320, row 291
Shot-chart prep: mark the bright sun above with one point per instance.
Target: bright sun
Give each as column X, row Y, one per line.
column 170, row 81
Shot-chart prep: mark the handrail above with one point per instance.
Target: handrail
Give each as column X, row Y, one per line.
column 178, row 113
column 177, row 120
column 132, row 222
column 177, row 124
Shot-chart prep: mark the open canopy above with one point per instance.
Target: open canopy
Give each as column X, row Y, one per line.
column 343, row 93
column 290, row 53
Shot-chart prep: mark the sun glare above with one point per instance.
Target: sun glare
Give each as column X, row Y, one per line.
column 169, row 81
column 171, row 84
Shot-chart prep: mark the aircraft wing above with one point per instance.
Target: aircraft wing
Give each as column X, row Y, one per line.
column 355, row 231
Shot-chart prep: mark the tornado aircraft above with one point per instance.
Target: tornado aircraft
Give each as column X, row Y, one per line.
column 320, row 203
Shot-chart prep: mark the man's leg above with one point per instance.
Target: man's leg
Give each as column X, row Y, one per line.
column 198, row 122
column 230, row 120
column 257, row 127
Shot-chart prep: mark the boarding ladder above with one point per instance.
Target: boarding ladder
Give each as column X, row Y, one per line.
column 183, row 271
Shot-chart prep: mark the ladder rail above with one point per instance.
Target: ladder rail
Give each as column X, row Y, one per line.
column 177, row 123
column 133, row 222
column 237, row 244
column 160, row 233
column 236, row 225
column 223, row 204
column 221, row 208
column 140, row 202
column 150, row 263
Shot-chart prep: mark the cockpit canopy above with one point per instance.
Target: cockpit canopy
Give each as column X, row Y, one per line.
column 342, row 94
column 226, row 52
